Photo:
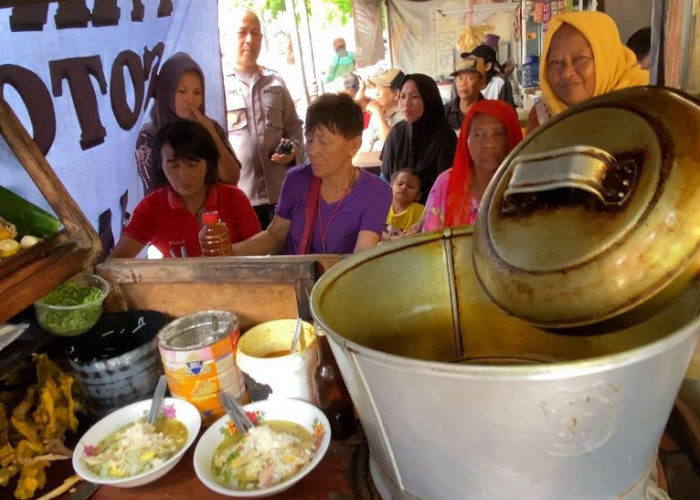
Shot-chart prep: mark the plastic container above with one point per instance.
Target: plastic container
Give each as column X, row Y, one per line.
column 116, row 363
column 213, row 237
column 268, row 367
column 71, row 320
column 116, row 382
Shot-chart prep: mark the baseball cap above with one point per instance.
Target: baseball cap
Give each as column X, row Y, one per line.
column 470, row 63
column 338, row 42
column 392, row 77
column 484, row 52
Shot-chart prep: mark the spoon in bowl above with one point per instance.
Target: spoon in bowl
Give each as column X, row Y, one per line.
column 297, row 335
column 157, row 402
column 236, row 413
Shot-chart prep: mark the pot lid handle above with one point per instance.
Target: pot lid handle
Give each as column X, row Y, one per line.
column 588, row 170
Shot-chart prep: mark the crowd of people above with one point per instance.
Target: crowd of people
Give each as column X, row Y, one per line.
column 281, row 188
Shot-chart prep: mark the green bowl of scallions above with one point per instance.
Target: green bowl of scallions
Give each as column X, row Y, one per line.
column 73, row 307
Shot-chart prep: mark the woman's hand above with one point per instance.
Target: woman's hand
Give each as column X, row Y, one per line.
column 374, row 108
column 198, row 117
column 229, row 167
column 412, row 229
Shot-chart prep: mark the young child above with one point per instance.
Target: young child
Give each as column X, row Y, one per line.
column 405, row 212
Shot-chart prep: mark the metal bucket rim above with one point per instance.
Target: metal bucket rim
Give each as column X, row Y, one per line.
column 553, row 370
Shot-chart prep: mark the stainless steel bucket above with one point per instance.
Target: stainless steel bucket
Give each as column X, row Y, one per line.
column 461, row 401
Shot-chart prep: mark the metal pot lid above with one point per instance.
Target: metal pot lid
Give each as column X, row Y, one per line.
column 597, row 212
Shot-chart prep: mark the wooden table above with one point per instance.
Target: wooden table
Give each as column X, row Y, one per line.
column 342, row 474
column 368, row 160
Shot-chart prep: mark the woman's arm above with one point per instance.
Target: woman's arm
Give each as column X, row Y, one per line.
column 267, row 242
column 365, row 240
column 127, row 248
column 229, row 167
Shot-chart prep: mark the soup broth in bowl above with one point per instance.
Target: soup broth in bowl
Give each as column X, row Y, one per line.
column 123, row 450
column 288, row 441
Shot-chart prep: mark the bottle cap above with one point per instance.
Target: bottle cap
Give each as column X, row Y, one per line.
column 210, row 217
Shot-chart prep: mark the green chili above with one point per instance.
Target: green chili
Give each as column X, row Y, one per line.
column 70, row 321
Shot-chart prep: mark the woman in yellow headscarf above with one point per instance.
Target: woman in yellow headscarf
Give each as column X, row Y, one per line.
column 583, row 57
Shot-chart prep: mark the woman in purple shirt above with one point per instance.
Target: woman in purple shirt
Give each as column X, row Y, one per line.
column 327, row 205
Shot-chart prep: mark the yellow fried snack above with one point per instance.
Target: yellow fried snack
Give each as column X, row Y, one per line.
column 33, row 436
column 31, row 478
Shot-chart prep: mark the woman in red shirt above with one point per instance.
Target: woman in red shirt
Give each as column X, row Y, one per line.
column 170, row 217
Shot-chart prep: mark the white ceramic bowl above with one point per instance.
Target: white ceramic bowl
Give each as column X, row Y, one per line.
column 185, row 412
column 291, row 410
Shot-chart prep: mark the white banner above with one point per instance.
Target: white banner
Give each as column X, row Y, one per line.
column 424, row 34
column 77, row 74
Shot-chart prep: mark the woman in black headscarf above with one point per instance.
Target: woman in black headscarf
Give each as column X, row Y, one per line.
column 179, row 94
column 423, row 141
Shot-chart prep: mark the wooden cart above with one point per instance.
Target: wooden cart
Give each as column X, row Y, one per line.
column 34, row 272
column 256, row 289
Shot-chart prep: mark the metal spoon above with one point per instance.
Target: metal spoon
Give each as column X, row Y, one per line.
column 297, row 335
column 236, row 413
column 157, row 402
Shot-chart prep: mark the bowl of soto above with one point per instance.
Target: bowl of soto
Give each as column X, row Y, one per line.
column 125, row 451
column 288, row 441
column 73, row 307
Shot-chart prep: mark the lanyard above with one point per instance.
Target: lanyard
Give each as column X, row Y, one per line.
column 324, row 229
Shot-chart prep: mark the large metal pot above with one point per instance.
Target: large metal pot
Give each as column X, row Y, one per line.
column 597, row 214
column 462, row 400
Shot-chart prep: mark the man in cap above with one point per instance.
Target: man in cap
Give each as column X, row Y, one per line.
column 263, row 126
column 496, row 85
column 469, row 79
column 343, row 61
column 383, row 108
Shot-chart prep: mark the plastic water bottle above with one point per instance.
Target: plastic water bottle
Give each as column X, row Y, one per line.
column 213, row 237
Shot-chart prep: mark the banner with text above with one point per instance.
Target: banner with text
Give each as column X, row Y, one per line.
column 78, row 74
